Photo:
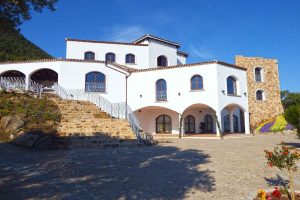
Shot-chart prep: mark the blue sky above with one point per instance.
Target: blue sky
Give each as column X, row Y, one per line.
column 206, row 29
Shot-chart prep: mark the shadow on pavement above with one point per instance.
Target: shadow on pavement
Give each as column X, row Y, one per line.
column 157, row 172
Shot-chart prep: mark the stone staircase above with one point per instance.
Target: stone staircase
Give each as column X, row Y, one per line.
column 83, row 124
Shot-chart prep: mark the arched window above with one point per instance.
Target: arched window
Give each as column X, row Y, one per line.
column 130, row 58
column 208, row 123
column 89, row 55
column 231, row 86
column 260, row 95
column 95, row 82
column 161, row 90
column 197, row 82
column 227, row 124
column 189, row 124
column 163, row 124
column 110, row 57
column 258, row 74
column 162, row 61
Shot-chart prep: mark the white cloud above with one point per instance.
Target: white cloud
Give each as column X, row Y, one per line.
column 201, row 52
column 124, row 34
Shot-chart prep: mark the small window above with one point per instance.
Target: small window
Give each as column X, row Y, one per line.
column 162, row 61
column 231, row 86
column 130, row 59
column 258, row 74
column 161, row 90
column 197, row 82
column 259, row 95
column 110, row 57
column 89, row 55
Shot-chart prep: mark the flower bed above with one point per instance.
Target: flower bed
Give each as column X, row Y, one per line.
column 272, row 194
column 275, row 126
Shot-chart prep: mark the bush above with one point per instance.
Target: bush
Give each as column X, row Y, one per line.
column 292, row 115
column 279, row 124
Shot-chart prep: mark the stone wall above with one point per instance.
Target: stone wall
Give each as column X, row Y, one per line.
column 271, row 106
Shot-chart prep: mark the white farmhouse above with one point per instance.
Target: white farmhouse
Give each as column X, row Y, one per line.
column 151, row 76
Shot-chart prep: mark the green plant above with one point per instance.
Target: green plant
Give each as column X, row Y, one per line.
column 284, row 158
column 279, row 124
column 292, row 115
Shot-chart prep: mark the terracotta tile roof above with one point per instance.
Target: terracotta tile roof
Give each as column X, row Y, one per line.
column 124, row 67
column 52, row 60
column 183, row 53
column 148, row 36
column 105, row 42
column 191, row 65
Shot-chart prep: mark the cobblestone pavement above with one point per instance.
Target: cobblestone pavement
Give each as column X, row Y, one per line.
column 183, row 169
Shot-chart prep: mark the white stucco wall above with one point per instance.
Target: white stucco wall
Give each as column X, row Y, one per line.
column 178, row 81
column 76, row 50
column 71, row 75
column 157, row 48
column 181, row 59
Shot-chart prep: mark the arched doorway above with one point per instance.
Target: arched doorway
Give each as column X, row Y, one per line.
column 164, row 124
column 45, row 77
column 189, row 124
column 208, row 120
column 13, row 80
column 227, row 124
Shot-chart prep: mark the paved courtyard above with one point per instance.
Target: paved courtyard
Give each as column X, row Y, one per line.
column 184, row 169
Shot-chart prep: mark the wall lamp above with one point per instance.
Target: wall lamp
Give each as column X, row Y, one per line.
column 245, row 93
column 223, row 91
column 141, row 96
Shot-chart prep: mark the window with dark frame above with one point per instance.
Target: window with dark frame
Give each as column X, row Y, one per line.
column 231, row 86
column 89, row 55
column 163, row 124
column 130, row 59
column 95, row 82
column 162, row 61
column 161, row 90
column 259, row 95
column 110, row 57
column 258, row 74
column 189, row 124
column 197, row 82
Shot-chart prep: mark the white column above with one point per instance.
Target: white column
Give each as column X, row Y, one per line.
column 27, row 82
column 247, row 124
column 231, row 121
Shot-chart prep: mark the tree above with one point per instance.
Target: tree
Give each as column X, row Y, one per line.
column 291, row 99
column 15, row 12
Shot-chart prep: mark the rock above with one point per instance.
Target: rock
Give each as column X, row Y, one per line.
column 27, row 139
column 12, row 123
column 44, row 143
column 11, row 136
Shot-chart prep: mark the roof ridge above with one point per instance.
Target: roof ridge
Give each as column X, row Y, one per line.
column 155, row 38
column 104, row 42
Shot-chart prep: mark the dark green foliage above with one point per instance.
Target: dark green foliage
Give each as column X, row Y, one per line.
column 14, row 12
column 14, row 46
column 291, row 99
column 292, row 115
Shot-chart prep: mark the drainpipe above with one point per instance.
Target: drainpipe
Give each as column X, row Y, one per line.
column 126, row 85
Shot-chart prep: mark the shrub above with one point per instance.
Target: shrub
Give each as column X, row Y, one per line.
column 292, row 115
column 279, row 124
column 284, row 158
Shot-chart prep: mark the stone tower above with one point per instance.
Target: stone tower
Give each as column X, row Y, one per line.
column 263, row 88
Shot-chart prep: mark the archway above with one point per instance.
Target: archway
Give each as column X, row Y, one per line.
column 233, row 119
column 158, row 120
column 45, row 77
column 13, row 73
column 204, row 119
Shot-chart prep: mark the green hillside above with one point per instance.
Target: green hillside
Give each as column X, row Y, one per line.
column 14, row 46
